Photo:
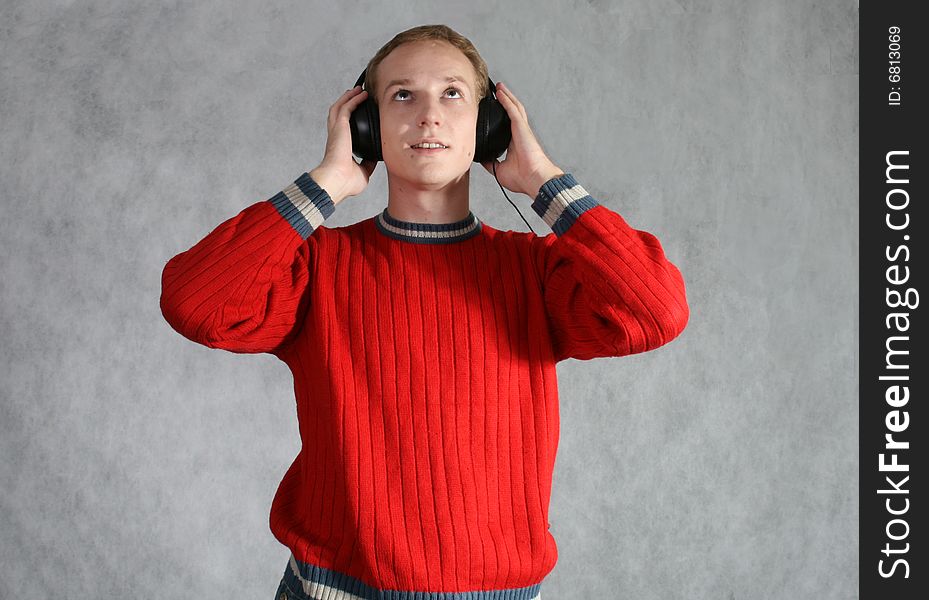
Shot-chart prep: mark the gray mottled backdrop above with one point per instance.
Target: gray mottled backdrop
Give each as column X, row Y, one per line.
column 723, row 465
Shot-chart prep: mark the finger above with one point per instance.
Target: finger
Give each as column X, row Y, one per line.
column 514, row 100
column 511, row 95
column 347, row 96
column 358, row 97
column 507, row 104
column 512, row 107
column 519, row 105
column 347, row 106
column 341, row 99
column 519, row 118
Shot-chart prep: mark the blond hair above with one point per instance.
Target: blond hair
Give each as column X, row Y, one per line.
column 423, row 33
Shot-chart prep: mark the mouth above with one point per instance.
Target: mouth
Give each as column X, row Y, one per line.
column 427, row 151
column 428, row 146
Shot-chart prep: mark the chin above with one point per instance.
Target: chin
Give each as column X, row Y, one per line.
column 437, row 180
column 427, row 172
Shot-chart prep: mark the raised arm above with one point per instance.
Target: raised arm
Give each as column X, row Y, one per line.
column 242, row 287
column 609, row 289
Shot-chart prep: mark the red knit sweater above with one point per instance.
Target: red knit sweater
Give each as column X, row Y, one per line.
column 424, row 360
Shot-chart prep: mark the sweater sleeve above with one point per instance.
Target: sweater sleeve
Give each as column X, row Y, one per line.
column 242, row 287
column 608, row 288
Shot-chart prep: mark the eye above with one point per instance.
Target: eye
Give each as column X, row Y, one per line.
column 451, row 89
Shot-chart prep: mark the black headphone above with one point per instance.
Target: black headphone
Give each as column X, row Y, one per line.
column 492, row 136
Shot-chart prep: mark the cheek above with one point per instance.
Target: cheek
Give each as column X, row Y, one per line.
column 392, row 135
column 394, row 132
column 464, row 125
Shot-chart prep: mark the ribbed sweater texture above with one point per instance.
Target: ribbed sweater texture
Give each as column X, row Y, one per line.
column 423, row 358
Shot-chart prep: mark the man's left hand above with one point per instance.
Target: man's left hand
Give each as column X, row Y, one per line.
column 526, row 167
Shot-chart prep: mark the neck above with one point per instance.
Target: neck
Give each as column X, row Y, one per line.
column 417, row 213
column 416, row 202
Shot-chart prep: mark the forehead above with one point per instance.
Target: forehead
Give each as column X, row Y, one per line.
column 424, row 61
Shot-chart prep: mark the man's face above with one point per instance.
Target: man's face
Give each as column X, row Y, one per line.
column 427, row 105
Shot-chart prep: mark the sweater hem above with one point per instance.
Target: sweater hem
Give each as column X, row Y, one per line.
column 306, row 581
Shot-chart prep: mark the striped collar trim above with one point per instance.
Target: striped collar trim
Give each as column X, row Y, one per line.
column 428, row 233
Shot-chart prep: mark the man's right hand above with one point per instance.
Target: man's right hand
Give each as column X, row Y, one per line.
column 339, row 174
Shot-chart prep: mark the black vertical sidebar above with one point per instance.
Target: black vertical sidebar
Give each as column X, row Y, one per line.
column 893, row 368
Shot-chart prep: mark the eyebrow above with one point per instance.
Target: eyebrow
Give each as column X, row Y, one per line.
column 448, row 79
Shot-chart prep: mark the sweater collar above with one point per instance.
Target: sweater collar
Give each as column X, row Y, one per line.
column 428, row 233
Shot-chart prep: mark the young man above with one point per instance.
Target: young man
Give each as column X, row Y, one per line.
column 422, row 341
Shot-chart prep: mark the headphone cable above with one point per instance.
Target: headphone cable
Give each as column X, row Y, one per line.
column 494, row 164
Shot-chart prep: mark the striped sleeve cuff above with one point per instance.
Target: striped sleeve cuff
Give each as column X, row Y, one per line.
column 561, row 201
column 304, row 204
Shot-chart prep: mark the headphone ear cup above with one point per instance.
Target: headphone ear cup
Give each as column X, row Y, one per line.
column 375, row 120
column 494, row 130
column 365, row 125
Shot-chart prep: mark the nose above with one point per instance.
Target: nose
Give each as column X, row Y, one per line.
column 430, row 113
